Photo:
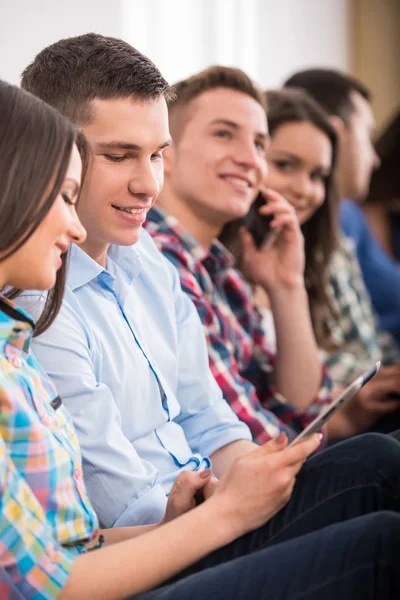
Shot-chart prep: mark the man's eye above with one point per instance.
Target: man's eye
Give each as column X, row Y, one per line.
column 115, row 157
column 283, row 165
column 260, row 146
column 157, row 156
column 222, row 133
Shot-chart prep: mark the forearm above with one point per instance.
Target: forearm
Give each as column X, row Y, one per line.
column 223, row 459
column 298, row 368
column 140, row 564
column 120, row 534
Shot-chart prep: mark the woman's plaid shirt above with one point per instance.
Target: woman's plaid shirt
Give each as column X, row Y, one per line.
column 46, row 516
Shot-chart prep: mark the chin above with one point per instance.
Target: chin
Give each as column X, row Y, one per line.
column 126, row 238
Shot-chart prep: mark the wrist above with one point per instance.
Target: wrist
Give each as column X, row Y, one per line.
column 223, row 518
column 292, row 288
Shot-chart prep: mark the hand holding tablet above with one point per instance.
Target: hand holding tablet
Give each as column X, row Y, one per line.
column 337, row 404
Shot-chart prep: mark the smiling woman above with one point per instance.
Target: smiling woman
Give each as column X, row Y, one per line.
column 37, row 207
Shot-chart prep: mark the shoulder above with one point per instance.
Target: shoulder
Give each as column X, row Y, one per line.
column 352, row 219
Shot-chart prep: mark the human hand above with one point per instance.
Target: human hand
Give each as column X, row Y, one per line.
column 187, row 486
column 261, row 482
column 281, row 262
column 373, row 400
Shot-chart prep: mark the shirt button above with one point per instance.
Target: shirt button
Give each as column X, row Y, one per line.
column 46, row 419
column 77, row 474
column 16, row 362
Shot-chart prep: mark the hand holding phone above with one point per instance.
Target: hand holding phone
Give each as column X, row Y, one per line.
column 258, row 225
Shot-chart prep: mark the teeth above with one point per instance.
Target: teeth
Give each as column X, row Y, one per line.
column 131, row 211
column 237, row 181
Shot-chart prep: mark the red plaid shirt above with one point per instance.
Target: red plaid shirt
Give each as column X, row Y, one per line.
column 239, row 357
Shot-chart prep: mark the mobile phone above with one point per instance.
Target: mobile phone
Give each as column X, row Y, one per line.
column 336, row 404
column 258, row 225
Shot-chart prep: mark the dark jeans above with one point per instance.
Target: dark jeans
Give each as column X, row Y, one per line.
column 340, row 547
column 358, row 559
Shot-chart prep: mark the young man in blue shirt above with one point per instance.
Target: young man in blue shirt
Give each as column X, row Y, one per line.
column 348, row 102
column 127, row 352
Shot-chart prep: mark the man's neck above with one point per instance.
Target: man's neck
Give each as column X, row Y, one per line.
column 98, row 252
column 204, row 231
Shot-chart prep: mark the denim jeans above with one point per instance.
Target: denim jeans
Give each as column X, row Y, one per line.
column 324, row 541
column 357, row 559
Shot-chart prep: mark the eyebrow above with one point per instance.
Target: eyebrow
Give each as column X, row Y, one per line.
column 298, row 159
column 234, row 125
column 117, row 145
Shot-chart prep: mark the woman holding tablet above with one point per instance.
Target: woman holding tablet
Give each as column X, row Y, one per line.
column 51, row 546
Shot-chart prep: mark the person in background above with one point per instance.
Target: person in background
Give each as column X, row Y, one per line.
column 301, row 166
column 212, row 174
column 382, row 205
column 348, row 103
column 50, row 544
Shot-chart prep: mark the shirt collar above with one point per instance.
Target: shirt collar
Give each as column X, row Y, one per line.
column 83, row 269
column 162, row 221
column 16, row 329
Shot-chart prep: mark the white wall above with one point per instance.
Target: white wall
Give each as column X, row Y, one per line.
column 268, row 38
column 27, row 26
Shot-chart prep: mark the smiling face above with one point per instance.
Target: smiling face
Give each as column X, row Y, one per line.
column 125, row 174
column 217, row 164
column 299, row 161
column 35, row 264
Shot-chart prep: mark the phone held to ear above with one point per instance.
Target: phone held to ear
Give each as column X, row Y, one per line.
column 259, row 225
column 336, row 404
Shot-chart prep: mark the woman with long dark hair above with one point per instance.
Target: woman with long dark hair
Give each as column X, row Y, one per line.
column 301, row 166
column 50, row 543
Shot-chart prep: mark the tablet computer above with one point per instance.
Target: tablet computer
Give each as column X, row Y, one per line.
column 336, row 404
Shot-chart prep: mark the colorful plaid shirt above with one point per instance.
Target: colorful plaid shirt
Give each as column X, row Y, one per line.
column 46, row 516
column 359, row 340
column 239, row 357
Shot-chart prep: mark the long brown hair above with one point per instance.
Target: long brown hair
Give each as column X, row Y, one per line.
column 35, row 148
column 321, row 230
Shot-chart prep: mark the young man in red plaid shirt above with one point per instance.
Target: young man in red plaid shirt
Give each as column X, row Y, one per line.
column 213, row 172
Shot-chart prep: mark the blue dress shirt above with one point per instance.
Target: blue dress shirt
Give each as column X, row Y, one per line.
column 381, row 273
column 128, row 356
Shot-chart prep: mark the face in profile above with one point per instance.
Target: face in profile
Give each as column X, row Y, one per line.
column 217, row 164
column 35, row 264
column 358, row 158
column 126, row 172
column 299, row 162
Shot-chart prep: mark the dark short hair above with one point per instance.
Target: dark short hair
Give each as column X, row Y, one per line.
column 385, row 181
column 331, row 89
column 187, row 90
column 35, row 149
column 72, row 72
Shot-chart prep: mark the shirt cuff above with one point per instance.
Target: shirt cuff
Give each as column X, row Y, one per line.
column 214, row 428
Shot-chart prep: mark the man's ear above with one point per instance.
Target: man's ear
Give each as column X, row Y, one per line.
column 338, row 124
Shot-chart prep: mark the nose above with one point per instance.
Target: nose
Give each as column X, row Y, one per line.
column 144, row 182
column 247, row 155
column 76, row 231
column 301, row 186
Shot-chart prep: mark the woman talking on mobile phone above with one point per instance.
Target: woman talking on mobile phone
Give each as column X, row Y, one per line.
column 50, row 542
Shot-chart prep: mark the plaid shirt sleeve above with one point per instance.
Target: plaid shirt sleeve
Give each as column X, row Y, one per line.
column 252, row 395
column 34, row 565
column 359, row 340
